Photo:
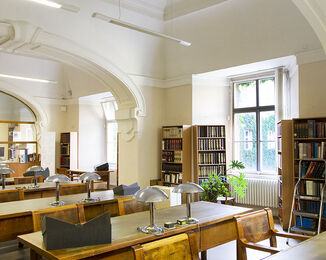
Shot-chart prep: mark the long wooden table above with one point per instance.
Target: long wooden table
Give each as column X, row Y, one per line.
column 16, row 216
column 215, row 227
column 105, row 175
column 311, row 249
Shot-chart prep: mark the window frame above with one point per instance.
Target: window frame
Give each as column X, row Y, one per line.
column 257, row 110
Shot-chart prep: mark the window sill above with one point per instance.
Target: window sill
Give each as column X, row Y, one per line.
column 262, row 175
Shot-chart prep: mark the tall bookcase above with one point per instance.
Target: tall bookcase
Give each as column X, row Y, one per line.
column 209, row 151
column 309, row 148
column 285, row 170
column 176, row 155
column 68, row 150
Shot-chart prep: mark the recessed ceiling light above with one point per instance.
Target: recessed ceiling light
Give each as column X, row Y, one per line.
column 57, row 5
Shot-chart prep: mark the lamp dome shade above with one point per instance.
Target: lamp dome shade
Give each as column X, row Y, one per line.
column 89, row 176
column 150, row 194
column 6, row 171
column 57, row 178
column 188, row 187
column 3, row 165
column 35, row 168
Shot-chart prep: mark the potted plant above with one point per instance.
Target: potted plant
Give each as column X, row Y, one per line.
column 217, row 186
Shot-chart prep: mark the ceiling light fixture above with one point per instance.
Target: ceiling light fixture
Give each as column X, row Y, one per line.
column 28, row 79
column 57, row 5
column 137, row 28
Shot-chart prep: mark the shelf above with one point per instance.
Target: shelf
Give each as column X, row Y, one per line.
column 307, row 231
column 309, row 179
column 175, row 183
column 306, row 214
column 310, row 139
column 172, row 138
column 170, row 150
column 307, row 197
column 211, row 137
column 172, row 162
column 213, row 151
column 170, row 172
column 212, row 164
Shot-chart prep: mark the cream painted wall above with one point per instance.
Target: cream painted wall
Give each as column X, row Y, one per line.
column 312, row 91
column 92, row 141
column 178, row 105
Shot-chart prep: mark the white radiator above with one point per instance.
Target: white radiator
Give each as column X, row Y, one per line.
column 260, row 192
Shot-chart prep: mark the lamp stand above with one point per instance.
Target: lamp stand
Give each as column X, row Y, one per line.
column 57, row 201
column 35, row 181
column 89, row 199
column 190, row 220
column 152, row 228
column 3, row 181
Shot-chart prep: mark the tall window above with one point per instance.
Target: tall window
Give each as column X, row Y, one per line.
column 254, row 124
column 111, row 133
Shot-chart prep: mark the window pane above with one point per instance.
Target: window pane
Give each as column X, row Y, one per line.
column 245, row 94
column 245, row 127
column 267, row 156
column 112, row 130
column 246, row 152
column 266, row 92
column 267, row 126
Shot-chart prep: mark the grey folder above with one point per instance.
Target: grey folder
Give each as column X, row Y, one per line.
column 126, row 190
column 58, row 234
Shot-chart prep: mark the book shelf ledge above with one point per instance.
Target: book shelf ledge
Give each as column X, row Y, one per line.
column 170, row 172
column 217, row 150
column 172, row 162
column 306, row 214
column 309, row 139
column 310, row 179
column 170, row 150
column 220, row 137
column 308, row 197
column 209, row 164
column 172, row 138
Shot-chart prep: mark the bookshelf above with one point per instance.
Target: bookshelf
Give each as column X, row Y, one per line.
column 285, row 171
column 209, row 151
column 68, row 150
column 176, row 155
column 309, row 154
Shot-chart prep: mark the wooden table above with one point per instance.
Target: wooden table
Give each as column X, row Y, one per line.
column 311, row 249
column 105, row 175
column 215, row 227
column 16, row 216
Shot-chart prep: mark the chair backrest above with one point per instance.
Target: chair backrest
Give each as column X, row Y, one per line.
column 11, row 195
column 181, row 246
column 71, row 213
column 129, row 206
column 68, row 189
column 27, row 180
column 255, row 226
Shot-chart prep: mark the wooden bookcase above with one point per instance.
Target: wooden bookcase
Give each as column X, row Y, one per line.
column 285, row 170
column 176, row 155
column 209, row 151
column 68, row 150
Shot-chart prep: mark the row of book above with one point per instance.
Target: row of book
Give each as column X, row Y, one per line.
column 172, row 132
column 312, row 169
column 65, row 149
column 172, row 156
column 173, row 177
column 212, row 144
column 311, row 207
column 65, row 138
column 310, row 129
column 172, row 144
column 310, row 150
column 172, row 167
column 205, row 171
column 64, row 160
column 311, row 188
column 211, row 131
column 211, row 158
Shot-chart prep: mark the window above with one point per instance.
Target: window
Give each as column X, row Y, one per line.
column 111, row 133
column 254, row 124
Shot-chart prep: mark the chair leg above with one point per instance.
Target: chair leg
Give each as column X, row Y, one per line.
column 203, row 255
column 272, row 241
column 20, row 245
column 241, row 252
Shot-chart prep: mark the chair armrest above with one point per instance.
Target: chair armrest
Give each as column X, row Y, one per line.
column 268, row 249
column 294, row 236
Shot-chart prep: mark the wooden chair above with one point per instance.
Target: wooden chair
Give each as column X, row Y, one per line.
column 71, row 213
column 11, row 195
column 27, row 180
column 129, row 206
column 68, row 189
column 183, row 246
column 258, row 226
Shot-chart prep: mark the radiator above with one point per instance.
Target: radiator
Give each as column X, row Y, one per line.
column 260, row 192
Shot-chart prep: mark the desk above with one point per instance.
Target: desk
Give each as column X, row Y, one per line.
column 105, row 175
column 311, row 249
column 215, row 227
column 16, row 216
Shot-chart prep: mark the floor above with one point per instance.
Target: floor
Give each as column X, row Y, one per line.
column 9, row 250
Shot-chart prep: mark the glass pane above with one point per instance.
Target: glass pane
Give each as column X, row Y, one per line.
column 12, row 132
column 267, row 156
column 112, row 131
column 246, row 152
column 109, row 109
column 266, row 92
column 18, row 152
column 245, row 94
column 267, row 126
column 12, row 109
column 245, row 126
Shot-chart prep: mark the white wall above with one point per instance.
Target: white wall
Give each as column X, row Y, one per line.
column 92, row 141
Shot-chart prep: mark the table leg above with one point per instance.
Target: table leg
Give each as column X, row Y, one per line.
column 33, row 255
column 108, row 182
column 203, row 255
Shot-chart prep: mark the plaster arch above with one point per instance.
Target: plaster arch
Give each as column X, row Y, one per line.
column 23, row 38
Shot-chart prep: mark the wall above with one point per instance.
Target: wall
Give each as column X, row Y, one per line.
column 92, row 144
column 312, row 91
